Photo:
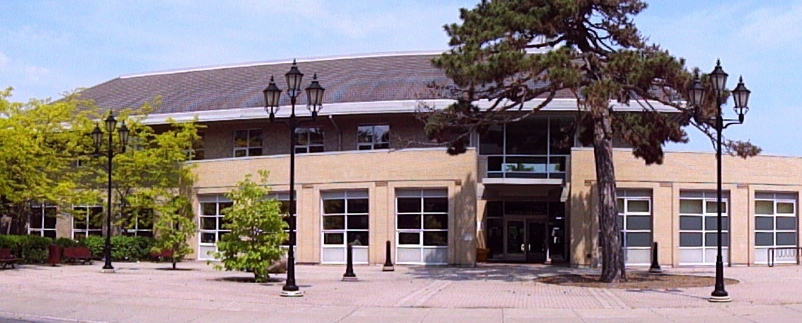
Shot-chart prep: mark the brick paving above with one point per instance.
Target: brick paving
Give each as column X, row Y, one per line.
column 146, row 292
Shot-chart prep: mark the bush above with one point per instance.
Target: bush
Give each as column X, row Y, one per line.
column 30, row 249
column 95, row 245
column 66, row 243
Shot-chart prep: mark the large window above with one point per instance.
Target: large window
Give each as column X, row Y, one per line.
column 532, row 148
column 87, row 221
column 635, row 221
column 422, row 226
column 248, row 143
column 698, row 228
column 345, row 220
column 373, row 137
column 308, row 140
column 775, row 226
column 42, row 221
column 137, row 221
column 212, row 222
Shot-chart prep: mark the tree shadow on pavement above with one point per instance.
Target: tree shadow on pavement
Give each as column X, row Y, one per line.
column 495, row 272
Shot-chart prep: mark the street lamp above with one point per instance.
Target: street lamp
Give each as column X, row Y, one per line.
column 97, row 136
column 740, row 95
column 314, row 95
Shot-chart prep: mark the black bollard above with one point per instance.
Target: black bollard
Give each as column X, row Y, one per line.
column 349, row 267
column 655, row 268
column 388, row 265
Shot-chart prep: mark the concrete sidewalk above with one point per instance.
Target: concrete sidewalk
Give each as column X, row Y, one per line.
column 146, row 292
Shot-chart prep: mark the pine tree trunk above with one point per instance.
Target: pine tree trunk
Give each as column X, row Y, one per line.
column 610, row 242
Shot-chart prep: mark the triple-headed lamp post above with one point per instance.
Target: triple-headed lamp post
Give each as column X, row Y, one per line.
column 314, row 96
column 97, row 137
column 740, row 96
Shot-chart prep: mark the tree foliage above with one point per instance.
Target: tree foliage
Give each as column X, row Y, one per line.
column 174, row 226
column 514, row 52
column 257, row 230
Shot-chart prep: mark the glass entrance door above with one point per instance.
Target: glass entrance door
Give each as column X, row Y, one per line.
column 525, row 240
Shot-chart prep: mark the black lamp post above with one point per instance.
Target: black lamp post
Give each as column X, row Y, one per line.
column 314, row 95
column 740, row 95
column 97, row 136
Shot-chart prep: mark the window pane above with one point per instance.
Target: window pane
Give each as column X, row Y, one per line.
column 207, row 237
column 255, row 152
column 620, row 205
column 786, row 223
column 435, row 204
column 364, row 134
column 409, row 221
column 316, row 136
column 529, row 137
column 224, row 206
column 690, row 223
column 409, row 205
column 333, row 238
column 690, row 239
column 560, row 136
column 301, row 137
column 358, row 221
column 639, row 222
column 785, row 208
column 711, row 239
column 492, row 142
column 333, row 222
column 711, row 223
column 711, row 207
column 638, row 206
column 208, row 223
column 764, row 239
column 639, row 239
column 435, row 221
column 407, row 238
column 208, row 208
column 359, row 238
column 316, row 149
column 50, row 233
column 333, row 206
column 381, row 134
column 690, row 206
column 36, row 218
column 764, row 223
column 786, row 238
column 764, row 207
column 435, row 238
column 358, row 206
column 240, row 153
column 255, row 139
column 241, row 138
column 50, row 221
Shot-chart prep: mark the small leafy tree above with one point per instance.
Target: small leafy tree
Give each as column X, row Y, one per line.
column 257, row 230
column 174, row 226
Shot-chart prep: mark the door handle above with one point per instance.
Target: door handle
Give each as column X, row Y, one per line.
column 528, row 247
column 522, row 247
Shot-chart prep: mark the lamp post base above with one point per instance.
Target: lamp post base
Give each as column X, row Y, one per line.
column 719, row 299
column 108, row 270
column 295, row 293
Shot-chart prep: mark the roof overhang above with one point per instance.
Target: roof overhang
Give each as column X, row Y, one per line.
column 376, row 107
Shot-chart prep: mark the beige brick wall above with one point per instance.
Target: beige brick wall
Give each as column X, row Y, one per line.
column 378, row 172
column 680, row 171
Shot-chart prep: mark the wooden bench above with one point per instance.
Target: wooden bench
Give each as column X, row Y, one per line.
column 6, row 258
column 161, row 256
column 74, row 254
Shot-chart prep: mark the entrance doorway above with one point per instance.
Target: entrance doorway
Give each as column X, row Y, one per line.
column 525, row 239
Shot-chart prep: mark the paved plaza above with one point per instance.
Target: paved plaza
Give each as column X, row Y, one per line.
column 147, row 292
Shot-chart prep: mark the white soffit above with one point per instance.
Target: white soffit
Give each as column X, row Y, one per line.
column 376, row 107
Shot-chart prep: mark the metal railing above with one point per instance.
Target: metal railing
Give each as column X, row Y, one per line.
column 527, row 166
column 782, row 252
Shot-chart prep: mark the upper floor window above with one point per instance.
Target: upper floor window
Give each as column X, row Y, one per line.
column 248, row 143
column 532, row 148
column 197, row 148
column 373, row 137
column 308, row 140
column 43, row 220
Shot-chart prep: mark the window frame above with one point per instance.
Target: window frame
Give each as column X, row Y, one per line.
column 706, row 247
column 375, row 140
column 776, row 198
column 87, row 229
column 220, row 202
column 309, row 147
column 624, row 196
column 246, row 150
column 43, row 230
column 348, row 197
column 422, row 195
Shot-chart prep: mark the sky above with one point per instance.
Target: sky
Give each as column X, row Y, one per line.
column 48, row 48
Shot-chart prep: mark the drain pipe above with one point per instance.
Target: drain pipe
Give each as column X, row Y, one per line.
column 339, row 133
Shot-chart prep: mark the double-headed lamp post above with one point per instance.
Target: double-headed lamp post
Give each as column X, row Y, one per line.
column 314, row 96
column 740, row 96
column 97, row 137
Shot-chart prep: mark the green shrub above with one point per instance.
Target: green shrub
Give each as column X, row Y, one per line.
column 30, row 249
column 95, row 245
column 66, row 242
column 125, row 248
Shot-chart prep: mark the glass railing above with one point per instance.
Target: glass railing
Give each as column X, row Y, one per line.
column 527, row 166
